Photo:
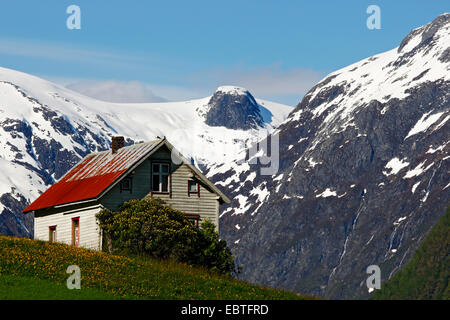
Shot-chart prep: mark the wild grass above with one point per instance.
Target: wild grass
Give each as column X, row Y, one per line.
column 31, row 269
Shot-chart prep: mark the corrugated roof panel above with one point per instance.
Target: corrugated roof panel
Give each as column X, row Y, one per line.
column 94, row 174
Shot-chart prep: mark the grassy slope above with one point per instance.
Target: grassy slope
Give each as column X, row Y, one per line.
column 19, row 288
column 31, row 269
column 426, row 275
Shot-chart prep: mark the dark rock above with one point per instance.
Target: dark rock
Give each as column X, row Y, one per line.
column 234, row 110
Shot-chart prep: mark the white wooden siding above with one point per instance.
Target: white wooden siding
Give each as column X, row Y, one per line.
column 207, row 205
column 89, row 230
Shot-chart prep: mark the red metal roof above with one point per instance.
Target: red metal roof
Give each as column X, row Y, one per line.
column 94, row 174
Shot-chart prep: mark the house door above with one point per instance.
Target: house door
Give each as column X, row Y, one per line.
column 76, row 232
column 52, row 234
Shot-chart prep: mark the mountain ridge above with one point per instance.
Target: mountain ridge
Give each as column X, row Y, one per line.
column 363, row 169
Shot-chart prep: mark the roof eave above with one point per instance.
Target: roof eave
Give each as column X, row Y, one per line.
column 62, row 205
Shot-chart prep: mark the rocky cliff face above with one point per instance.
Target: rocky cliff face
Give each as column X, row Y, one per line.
column 234, row 108
column 363, row 176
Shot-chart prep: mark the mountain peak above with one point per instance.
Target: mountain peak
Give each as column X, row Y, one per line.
column 426, row 35
column 234, row 90
column 234, row 108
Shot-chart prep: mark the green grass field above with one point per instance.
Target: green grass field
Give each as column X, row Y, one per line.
column 19, row 288
column 31, row 269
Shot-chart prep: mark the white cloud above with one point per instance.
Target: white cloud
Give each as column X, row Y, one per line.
column 271, row 83
column 179, row 92
column 71, row 53
column 57, row 51
column 267, row 82
column 138, row 91
column 117, row 91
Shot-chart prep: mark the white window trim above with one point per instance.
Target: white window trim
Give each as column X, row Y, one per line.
column 160, row 173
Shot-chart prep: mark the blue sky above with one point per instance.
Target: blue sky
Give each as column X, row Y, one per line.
column 184, row 49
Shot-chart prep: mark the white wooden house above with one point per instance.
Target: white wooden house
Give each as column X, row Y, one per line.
column 66, row 211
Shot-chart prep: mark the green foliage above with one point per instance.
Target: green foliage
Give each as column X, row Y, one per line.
column 107, row 276
column 147, row 226
column 426, row 275
column 215, row 255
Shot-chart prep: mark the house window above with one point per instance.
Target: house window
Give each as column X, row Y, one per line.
column 76, row 232
column 192, row 187
column 194, row 218
column 126, row 185
column 52, row 234
column 160, row 177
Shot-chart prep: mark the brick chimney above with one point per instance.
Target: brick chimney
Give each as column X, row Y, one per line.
column 117, row 143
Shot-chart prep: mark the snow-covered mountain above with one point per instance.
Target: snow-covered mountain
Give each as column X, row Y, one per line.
column 45, row 129
column 363, row 174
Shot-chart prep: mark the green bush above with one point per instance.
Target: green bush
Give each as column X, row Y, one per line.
column 147, row 226
column 215, row 254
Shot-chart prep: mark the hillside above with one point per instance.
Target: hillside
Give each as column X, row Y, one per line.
column 39, row 265
column 363, row 174
column 427, row 274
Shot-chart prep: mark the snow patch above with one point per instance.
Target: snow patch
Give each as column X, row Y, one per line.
column 424, row 123
column 279, row 177
column 243, row 205
column 395, row 165
column 313, row 163
column 294, row 196
column 417, row 170
column 327, row 193
column 431, row 150
column 232, row 90
column 399, row 220
column 414, row 187
column 251, row 177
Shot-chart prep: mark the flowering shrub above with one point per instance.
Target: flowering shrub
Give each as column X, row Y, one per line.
column 147, row 226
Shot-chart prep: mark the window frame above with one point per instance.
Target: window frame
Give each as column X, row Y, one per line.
column 50, row 229
column 189, row 189
column 159, row 173
column 193, row 217
column 75, row 241
column 130, row 184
